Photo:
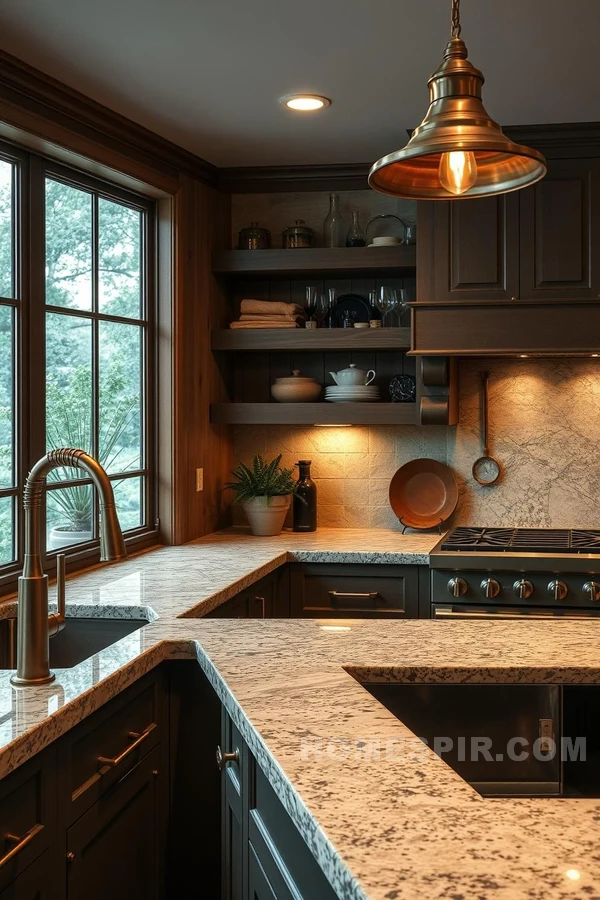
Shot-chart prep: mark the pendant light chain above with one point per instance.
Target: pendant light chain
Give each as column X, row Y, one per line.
column 456, row 28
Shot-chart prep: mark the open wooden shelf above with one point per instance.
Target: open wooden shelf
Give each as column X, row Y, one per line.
column 400, row 260
column 314, row 413
column 265, row 339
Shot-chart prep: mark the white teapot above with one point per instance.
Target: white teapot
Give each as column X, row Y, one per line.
column 353, row 376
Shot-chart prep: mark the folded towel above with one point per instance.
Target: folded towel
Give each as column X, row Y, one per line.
column 280, row 322
column 268, row 308
column 249, row 318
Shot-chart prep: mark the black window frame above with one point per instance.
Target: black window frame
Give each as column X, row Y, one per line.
column 29, row 385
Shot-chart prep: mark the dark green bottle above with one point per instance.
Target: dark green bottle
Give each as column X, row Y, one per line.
column 305, row 499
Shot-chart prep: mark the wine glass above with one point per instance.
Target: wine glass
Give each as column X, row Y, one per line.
column 386, row 302
column 310, row 301
column 321, row 309
column 401, row 303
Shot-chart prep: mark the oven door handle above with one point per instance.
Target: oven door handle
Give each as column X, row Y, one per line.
column 451, row 614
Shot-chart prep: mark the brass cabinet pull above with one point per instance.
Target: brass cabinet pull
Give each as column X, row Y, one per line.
column 20, row 843
column 137, row 738
column 343, row 595
column 224, row 758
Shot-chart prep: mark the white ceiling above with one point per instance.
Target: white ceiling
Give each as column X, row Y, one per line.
column 207, row 74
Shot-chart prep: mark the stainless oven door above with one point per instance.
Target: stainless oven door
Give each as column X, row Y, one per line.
column 465, row 611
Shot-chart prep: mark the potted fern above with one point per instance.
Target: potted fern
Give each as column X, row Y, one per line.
column 265, row 492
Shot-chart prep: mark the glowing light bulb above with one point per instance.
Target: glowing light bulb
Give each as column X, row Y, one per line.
column 458, row 171
column 573, row 874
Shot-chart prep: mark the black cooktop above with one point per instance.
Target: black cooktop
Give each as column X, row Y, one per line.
column 524, row 540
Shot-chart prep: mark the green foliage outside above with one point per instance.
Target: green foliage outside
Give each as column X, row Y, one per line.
column 69, row 351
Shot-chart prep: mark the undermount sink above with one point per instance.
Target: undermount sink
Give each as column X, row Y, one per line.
column 80, row 639
column 524, row 740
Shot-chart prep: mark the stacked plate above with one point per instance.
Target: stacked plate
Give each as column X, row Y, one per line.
column 385, row 241
column 357, row 393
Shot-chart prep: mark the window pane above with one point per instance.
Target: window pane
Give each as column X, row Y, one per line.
column 119, row 254
column 69, row 515
column 120, row 438
column 68, row 246
column 7, row 530
column 7, row 430
column 68, row 387
column 129, row 502
column 6, row 230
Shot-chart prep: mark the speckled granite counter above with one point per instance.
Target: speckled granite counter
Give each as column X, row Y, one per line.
column 193, row 579
column 381, row 826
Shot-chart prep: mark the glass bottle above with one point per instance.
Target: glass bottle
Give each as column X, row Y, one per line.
column 356, row 236
column 334, row 227
column 330, row 319
column 305, row 499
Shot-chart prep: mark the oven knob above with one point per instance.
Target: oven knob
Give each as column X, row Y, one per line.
column 490, row 587
column 523, row 589
column 558, row 590
column 592, row 590
column 457, row 587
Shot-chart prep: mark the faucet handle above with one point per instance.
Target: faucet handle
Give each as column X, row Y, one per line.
column 56, row 622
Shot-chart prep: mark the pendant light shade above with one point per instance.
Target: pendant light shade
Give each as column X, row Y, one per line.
column 458, row 151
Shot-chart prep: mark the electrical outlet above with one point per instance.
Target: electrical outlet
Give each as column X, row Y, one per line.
column 199, row 479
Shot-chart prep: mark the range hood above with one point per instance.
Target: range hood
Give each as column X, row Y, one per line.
column 505, row 328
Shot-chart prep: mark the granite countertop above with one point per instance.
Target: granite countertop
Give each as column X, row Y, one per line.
column 193, row 579
column 383, row 825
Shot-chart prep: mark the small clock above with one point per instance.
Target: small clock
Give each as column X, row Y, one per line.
column 403, row 389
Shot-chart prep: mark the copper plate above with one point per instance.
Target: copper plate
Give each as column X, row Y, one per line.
column 423, row 493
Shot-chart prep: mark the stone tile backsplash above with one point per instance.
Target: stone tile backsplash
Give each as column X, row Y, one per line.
column 544, row 428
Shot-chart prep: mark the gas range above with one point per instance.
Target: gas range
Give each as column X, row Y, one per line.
column 512, row 572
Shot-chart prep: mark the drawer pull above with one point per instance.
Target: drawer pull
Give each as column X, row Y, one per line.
column 137, row 739
column 224, row 758
column 20, row 843
column 343, row 595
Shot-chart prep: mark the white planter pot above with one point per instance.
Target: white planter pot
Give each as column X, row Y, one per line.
column 266, row 519
column 62, row 536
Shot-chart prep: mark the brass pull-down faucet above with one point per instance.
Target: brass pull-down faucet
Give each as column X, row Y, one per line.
column 34, row 625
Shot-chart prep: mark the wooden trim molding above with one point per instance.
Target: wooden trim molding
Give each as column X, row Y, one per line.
column 24, row 88
column 266, row 179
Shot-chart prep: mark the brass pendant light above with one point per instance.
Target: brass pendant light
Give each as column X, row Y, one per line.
column 457, row 152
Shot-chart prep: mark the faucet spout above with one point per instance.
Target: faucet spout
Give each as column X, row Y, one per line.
column 34, row 626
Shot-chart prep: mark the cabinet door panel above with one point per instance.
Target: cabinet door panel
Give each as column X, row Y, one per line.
column 38, row 882
column 116, row 842
column 560, row 220
column 258, row 884
column 476, row 249
column 233, row 836
column 27, row 811
column 320, row 590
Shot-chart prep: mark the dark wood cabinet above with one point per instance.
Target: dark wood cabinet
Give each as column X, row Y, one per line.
column 560, row 233
column 38, row 882
column 117, row 841
column 91, row 809
column 266, row 599
column 539, row 243
column 335, row 590
column 469, row 250
column 264, row 856
column 28, row 822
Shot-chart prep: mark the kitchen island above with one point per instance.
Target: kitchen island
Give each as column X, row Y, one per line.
column 379, row 826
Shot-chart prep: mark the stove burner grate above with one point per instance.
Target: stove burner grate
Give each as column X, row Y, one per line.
column 524, row 540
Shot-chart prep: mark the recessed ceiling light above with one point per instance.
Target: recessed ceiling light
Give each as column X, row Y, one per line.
column 305, row 102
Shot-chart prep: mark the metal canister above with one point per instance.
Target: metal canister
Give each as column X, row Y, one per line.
column 254, row 238
column 298, row 235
